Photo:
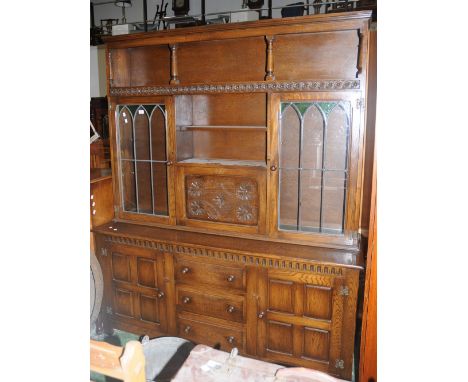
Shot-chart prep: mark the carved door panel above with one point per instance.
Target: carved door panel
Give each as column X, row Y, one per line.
column 300, row 320
column 315, row 156
column 137, row 293
column 230, row 199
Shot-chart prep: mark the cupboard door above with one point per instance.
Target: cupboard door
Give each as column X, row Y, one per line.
column 230, row 199
column 315, row 146
column 300, row 320
column 144, row 155
column 137, row 291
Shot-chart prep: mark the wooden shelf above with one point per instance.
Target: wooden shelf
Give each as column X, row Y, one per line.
column 224, row 128
column 223, row 162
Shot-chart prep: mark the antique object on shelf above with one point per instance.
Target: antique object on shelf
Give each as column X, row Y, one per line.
column 123, row 4
column 255, row 4
column 238, row 189
column 181, row 7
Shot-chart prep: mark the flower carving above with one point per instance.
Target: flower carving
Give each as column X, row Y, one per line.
column 196, row 208
column 195, row 188
column 219, row 200
column 244, row 213
column 245, row 191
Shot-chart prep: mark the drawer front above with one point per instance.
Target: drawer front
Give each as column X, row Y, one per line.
column 222, row 306
column 205, row 273
column 210, row 334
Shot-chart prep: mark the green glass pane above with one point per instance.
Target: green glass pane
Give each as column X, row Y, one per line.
column 303, row 106
column 327, row 107
column 284, row 106
column 133, row 109
column 148, row 108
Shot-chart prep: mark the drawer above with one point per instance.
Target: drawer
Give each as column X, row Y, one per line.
column 223, row 306
column 205, row 273
column 210, row 334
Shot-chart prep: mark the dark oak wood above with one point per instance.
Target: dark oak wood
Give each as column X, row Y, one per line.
column 221, row 264
column 368, row 355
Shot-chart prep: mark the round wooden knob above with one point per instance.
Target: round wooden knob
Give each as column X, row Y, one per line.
column 185, row 270
column 231, row 278
column 161, row 294
column 231, row 339
column 231, row 309
column 273, row 167
column 186, row 300
column 187, row 329
column 261, row 315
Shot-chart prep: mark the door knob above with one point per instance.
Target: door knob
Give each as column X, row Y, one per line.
column 187, row 329
column 231, row 309
column 186, row 300
column 231, row 278
column 185, row 270
column 231, row 339
column 261, row 315
column 161, row 294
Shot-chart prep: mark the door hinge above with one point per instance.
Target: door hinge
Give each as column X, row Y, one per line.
column 103, row 251
column 108, row 310
column 360, row 103
column 339, row 364
column 344, row 291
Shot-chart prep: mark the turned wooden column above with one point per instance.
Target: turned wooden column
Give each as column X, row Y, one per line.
column 174, row 74
column 270, row 76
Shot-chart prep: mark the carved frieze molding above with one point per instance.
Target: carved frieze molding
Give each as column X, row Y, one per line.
column 241, row 258
column 238, row 87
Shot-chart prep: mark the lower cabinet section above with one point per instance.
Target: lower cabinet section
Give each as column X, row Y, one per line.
column 301, row 320
column 301, row 314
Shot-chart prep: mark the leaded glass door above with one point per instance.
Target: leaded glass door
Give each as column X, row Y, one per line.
column 313, row 166
column 144, row 159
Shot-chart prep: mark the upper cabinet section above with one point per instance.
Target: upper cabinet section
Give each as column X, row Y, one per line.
column 319, row 48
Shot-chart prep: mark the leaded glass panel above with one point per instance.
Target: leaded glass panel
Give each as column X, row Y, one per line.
column 143, row 158
column 313, row 165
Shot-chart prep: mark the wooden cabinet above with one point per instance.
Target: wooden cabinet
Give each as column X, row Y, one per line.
column 136, row 293
column 237, row 159
column 306, row 319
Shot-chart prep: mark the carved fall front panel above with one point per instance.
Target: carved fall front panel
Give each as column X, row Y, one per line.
column 226, row 199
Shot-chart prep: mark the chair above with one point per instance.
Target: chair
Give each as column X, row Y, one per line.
column 127, row 364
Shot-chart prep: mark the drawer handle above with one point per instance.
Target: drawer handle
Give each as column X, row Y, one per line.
column 187, row 329
column 231, row 278
column 261, row 315
column 186, row 300
column 185, row 270
column 231, row 309
column 161, row 294
column 231, row 339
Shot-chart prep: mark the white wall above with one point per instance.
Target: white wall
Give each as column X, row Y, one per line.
column 97, row 55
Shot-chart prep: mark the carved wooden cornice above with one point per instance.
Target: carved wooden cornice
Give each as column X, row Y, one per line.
column 260, row 86
column 232, row 256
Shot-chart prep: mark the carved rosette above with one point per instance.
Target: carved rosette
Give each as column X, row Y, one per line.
column 224, row 199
